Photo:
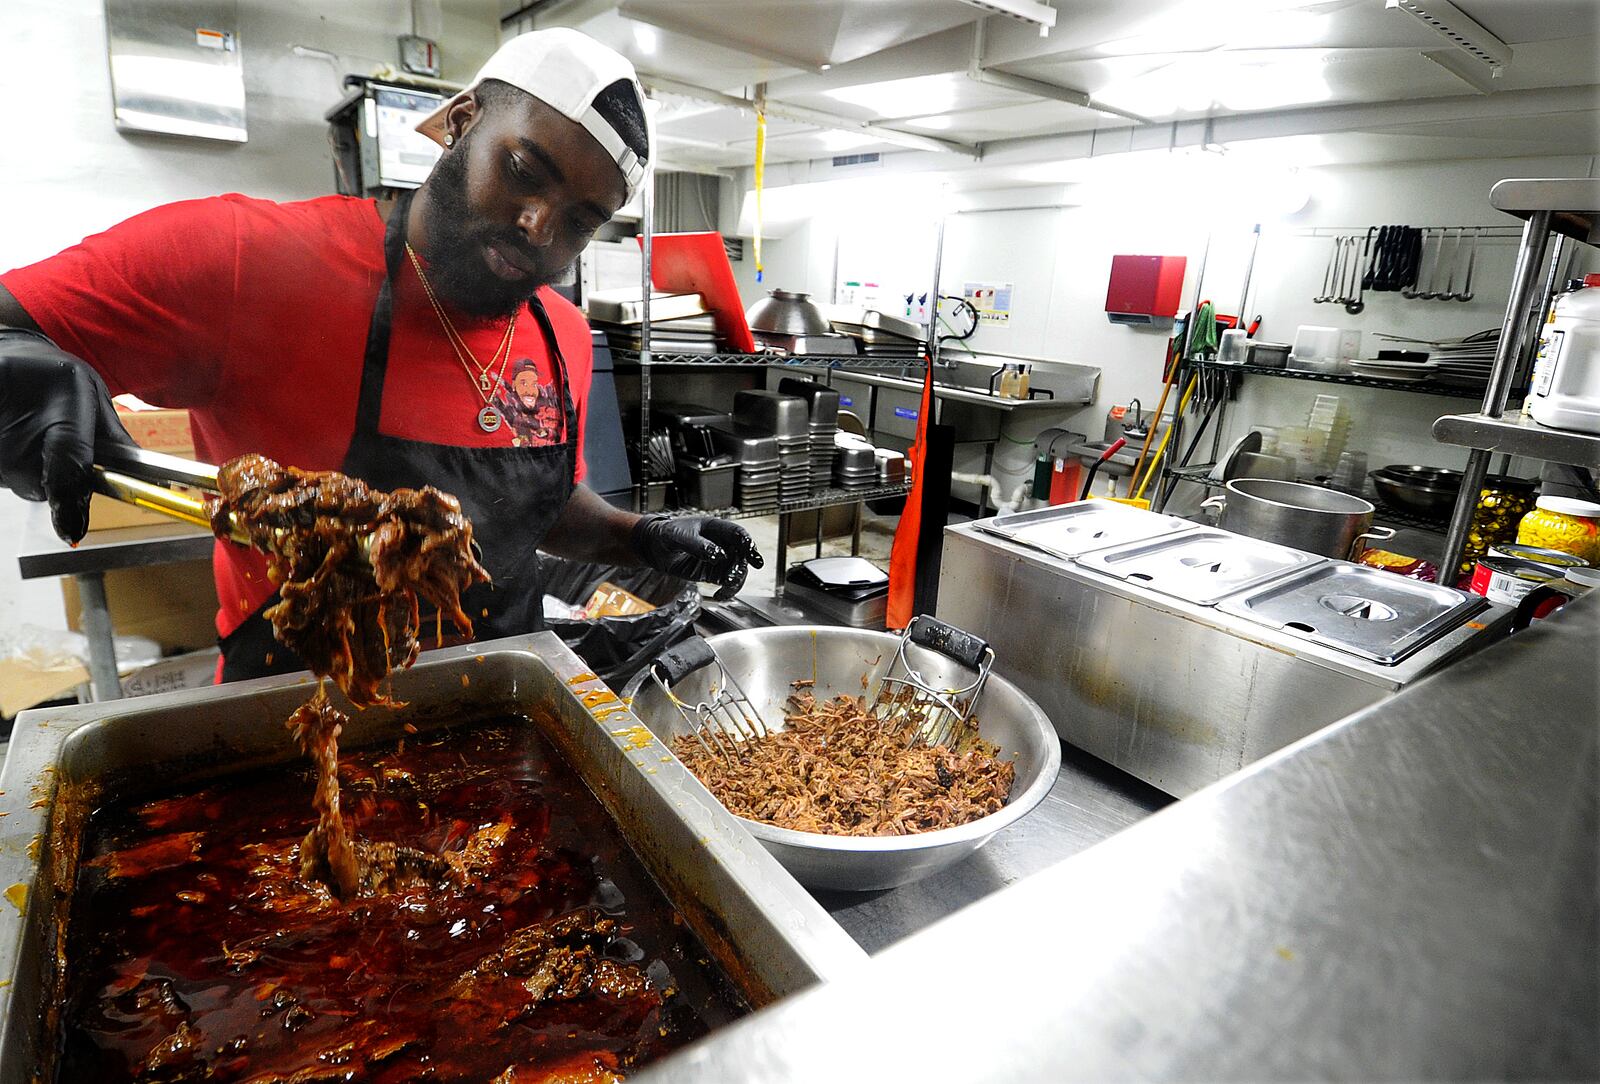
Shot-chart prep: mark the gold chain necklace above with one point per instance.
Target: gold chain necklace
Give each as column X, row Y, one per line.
column 489, row 418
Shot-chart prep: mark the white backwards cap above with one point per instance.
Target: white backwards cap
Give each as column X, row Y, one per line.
column 566, row 70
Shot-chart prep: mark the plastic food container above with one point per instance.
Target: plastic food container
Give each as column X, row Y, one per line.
column 1583, row 578
column 1267, row 355
column 1565, row 524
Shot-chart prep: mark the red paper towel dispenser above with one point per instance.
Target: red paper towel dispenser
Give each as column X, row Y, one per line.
column 1144, row 289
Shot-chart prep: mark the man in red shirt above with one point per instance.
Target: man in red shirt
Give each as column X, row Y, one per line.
column 379, row 339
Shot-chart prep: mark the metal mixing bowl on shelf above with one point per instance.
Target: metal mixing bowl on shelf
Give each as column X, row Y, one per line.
column 765, row 662
column 787, row 312
column 1429, row 492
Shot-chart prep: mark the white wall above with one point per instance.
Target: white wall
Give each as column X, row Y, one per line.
column 1059, row 257
column 65, row 172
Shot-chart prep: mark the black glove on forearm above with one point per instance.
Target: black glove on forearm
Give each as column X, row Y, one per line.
column 53, row 410
column 697, row 548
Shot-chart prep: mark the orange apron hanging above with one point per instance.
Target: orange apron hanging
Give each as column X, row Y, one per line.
column 903, row 557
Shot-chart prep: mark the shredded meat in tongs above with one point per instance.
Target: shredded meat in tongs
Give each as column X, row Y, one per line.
column 349, row 562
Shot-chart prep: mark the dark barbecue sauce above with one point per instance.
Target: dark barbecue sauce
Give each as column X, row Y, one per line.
column 196, row 952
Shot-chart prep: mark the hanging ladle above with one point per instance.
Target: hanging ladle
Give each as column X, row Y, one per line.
column 1327, row 276
column 1472, row 256
column 1416, row 288
column 1353, row 302
column 1449, row 291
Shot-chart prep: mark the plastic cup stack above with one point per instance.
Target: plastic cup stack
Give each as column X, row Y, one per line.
column 1329, row 417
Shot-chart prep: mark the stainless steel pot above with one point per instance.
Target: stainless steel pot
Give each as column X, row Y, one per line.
column 1307, row 517
column 787, row 312
column 766, row 662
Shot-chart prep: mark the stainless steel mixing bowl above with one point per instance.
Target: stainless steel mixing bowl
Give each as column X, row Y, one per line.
column 787, row 312
column 848, row 661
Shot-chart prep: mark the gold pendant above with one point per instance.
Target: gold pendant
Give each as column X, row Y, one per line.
column 488, row 419
column 483, row 381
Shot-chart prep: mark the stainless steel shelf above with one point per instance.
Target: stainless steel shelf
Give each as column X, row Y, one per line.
column 828, row 498
column 1201, row 475
column 1515, row 435
column 823, row 361
column 1415, row 387
column 1573, row 203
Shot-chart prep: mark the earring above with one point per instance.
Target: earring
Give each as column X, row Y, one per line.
column 449, row 140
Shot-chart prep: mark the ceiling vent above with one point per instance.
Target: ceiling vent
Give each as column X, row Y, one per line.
column 847, row 161
column 1460, row 30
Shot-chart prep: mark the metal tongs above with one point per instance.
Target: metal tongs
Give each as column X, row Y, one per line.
column 906, row 697
column 143, row 478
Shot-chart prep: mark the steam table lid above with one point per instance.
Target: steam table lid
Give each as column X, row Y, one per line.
column 1067, row 530
column 1202, row 566
column 1358, row 610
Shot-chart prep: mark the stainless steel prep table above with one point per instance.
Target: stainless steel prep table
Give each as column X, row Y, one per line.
column 1406, row 894
column 43, row 554
column 1091, row 801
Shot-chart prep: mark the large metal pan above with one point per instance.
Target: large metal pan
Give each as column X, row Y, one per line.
column 848, row 661
column 766, row 932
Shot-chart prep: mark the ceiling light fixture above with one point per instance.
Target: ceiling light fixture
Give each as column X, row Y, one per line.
column 1460, row 30
column 1027, row 11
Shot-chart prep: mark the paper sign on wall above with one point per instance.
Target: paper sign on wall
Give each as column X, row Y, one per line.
column 991, row 299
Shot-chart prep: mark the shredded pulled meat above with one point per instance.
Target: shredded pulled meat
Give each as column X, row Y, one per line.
column 352, row 867
column 837, row 770
column 350, row 562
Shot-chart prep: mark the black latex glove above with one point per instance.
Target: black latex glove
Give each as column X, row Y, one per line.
column 701, row 548
column 54, row 409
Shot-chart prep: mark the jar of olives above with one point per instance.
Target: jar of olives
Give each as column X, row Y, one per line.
column 1565, row 524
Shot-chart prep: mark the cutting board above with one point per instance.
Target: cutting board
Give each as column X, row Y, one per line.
column 696, row 263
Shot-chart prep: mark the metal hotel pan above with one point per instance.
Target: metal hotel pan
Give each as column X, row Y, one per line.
column 849, row 661
column 767, row 933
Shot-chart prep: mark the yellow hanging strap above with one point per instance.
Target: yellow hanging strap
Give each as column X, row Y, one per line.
column 761, row 169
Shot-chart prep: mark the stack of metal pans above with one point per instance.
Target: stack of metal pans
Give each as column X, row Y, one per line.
column 855, row 467
column 788, row 419
column 824, row 423
column 757, row 474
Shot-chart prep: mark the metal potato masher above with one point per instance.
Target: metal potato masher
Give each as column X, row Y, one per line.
column 903, row 697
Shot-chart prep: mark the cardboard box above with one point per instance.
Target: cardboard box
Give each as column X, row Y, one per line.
column 159, row 430
column 173, row 604
column 194, row 670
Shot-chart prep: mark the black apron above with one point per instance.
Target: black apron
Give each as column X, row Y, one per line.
column 513, row 496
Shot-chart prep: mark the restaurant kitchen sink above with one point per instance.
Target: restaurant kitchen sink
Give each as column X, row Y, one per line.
column 762, row 929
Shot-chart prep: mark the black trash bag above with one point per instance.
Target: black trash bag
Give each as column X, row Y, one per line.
column 616, row 648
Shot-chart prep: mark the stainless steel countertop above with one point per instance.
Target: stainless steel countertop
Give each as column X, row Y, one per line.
column 41, row 553
column 1090, row 801
column 1407, row 894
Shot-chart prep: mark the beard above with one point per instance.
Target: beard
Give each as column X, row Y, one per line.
column 456, row 266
